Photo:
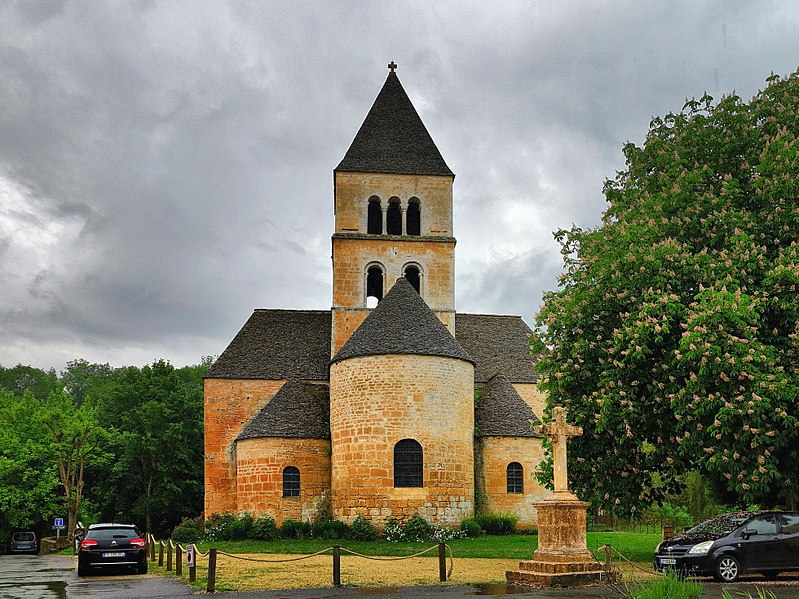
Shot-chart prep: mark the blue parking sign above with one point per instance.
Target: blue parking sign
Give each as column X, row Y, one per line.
column 58, row 523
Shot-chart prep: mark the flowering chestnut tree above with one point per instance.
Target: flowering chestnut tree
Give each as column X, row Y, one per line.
column 673, row 338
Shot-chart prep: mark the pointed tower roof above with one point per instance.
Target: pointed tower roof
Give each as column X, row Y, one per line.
column 393, row 139
column 402, row 323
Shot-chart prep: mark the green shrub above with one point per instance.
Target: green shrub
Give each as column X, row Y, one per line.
column 362, row 530
column 264, row 529
column 471, row 527
column 217, row 527
column 240, row 528
column 189, row 530
column 294, row 529
column 418, row 529
column 330, row 529
column 666, row 587
column 394, row 532
column 497, row 524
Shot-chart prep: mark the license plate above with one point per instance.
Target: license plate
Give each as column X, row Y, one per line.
column 668, row 561
column 114, row 554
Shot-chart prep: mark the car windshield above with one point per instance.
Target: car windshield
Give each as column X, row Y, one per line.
column 111, row 533
column 24, row 536
column 720, row 525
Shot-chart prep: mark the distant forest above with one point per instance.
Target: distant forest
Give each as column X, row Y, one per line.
column 95, row 443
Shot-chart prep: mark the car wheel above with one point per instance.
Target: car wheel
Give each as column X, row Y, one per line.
column 83, row 569
column 728, row 569
column 770, row 574
column 142, row 567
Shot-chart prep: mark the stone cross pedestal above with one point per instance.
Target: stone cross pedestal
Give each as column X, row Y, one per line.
column 562, row 558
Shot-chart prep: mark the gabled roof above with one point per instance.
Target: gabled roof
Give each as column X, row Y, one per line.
column 299, row 410
column 393, row 139
column 278, row 344
column 402, row 323
column 498, row 344
column 501, row 412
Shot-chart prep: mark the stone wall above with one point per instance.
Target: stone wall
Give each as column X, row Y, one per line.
column 492, row 455
column 228, row 405
column 260, row 465
column 533, row 396
column 377, row 401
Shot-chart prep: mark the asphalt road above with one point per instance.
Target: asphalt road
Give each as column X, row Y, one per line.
column 54, row 577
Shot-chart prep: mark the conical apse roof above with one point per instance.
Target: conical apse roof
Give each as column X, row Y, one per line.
column 402, row 323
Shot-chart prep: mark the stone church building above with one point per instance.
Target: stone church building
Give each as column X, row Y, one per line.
column 391, row 402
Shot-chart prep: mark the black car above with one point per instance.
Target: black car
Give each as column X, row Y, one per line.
column 24, row 542
column 112, row 545
column 729, row 545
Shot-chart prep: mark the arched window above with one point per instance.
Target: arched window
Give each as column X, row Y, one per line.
column 408, row 463
column 412, row 276
column 374, row 285
column 394, row 217
column 291, row 482
column 413, row 218
column 374, row 217
column 515, row 478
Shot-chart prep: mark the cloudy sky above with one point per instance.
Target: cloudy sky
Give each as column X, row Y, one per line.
column 166, row 166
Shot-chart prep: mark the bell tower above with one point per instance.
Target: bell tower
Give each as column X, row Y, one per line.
column 393, row 215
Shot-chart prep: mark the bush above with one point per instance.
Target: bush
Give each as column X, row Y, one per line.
column 497, row 524
column 471, row 528
column 394, row 532
column 217, row 527
column 294, row 529
column 189, row 530
column 240, row 528
column 330, row 529
column 362, row 530
column 418, row 529
column 264, row 529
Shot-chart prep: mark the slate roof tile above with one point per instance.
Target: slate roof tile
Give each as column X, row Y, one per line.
column 501, row 412
column 278, row 344
column 298, row 410
column 498, row 344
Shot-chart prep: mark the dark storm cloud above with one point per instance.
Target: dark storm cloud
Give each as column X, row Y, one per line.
column 166, row 167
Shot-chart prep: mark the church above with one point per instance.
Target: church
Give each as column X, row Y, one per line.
column 390, row 403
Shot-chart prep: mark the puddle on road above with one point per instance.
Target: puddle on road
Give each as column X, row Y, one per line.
column 54, row 589
column 498, row 588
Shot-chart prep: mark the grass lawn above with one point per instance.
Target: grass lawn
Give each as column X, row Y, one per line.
column 636, row 547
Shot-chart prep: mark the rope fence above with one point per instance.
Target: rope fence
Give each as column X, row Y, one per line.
column 191, row 554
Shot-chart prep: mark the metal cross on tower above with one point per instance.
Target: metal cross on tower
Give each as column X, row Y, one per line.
column 559, row 432
column 392, row 66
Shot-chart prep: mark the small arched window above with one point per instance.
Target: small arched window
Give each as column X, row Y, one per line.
column 412, row 275
column 413, row 217
column 515, row 478
column 374, row 285
column 291, row 482
column 374, row 217
column 408, row 463
column 394, row 217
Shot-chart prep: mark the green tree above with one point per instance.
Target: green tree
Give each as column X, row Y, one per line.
column 18, row 379
column 154, row 416
column 75, row 435
column 673, row 338
column 28, row 477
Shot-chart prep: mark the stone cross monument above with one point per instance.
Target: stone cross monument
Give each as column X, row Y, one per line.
column 559, row 432
column 562, row 558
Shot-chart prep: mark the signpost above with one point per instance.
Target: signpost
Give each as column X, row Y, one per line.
column 58, row 524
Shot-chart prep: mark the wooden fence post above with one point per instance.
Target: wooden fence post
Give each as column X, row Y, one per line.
column 152, row 547
column 168, row 556
column 178, row 561
column 442, row 562
column 336, row 566
column 608, row 559
column 160, row 553
column 211, row 570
